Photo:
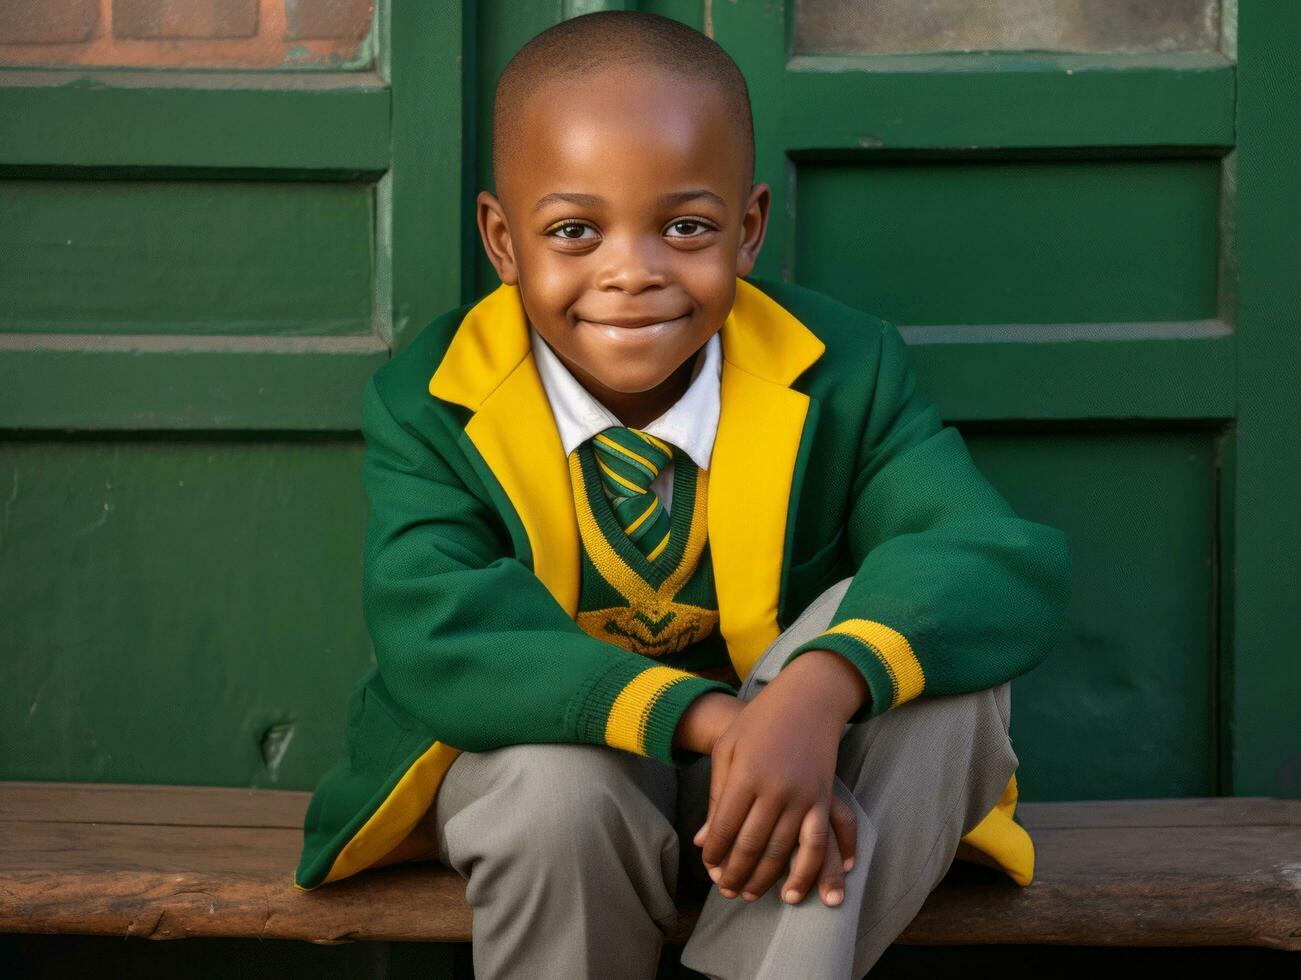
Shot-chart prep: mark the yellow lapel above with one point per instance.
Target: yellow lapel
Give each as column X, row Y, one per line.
column 489, row 368
column 753, row 463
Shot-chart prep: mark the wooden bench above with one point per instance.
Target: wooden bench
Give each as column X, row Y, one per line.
column 168, row 862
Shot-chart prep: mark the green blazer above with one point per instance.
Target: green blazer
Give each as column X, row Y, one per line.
column 828, row 463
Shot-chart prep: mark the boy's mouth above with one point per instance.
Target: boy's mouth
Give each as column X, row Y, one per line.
column 643, row 329
column 635, row 322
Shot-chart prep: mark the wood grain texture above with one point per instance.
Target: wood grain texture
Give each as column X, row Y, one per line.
column 172, row 862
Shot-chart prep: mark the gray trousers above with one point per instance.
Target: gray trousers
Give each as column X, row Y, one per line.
column 575, row 854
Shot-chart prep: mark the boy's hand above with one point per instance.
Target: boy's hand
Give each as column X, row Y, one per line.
column 771, row 792
column 705, row 719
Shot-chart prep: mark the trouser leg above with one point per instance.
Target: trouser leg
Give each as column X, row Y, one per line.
column 571, row 856
column 917, row 776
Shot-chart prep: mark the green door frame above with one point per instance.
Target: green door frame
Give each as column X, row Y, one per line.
column 1262, row 625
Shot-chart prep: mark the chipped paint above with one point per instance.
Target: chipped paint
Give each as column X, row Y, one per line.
column 102, row 517
column 273, row 744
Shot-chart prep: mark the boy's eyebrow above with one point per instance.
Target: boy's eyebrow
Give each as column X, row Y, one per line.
column 595, row 201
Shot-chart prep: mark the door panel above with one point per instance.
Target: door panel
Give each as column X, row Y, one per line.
column 1028, row 241
column 1042, row 208
column 179, row 610
column 256, row 258
column 1121, row 705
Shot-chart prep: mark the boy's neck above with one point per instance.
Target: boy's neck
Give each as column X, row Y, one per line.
column 638, row 409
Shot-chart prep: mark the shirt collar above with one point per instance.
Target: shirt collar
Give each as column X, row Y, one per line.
column 691, row 423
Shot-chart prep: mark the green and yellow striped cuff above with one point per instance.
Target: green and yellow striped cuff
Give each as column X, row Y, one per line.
column 883, row 655
column 637, row 707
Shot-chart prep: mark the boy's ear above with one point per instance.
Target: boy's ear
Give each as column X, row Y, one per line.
column 754, row 225
column 496, row 237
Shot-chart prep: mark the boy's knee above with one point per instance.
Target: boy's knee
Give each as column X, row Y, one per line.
column 980, row 719
column 561, row 800
column 969, row 729
column 978, row 724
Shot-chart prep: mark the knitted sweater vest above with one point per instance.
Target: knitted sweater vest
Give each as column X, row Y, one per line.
column 668, row 610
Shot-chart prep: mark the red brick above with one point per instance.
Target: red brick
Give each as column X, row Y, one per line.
column 306, row 19
column 184, row 18
column 48, row 21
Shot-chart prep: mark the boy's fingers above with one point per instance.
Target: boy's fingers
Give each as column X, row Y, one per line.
column 831, row 882
column 844, row 822
column 733, row 807
column 776, row 856
column 809, row 856
column 749, row 846
column 717, row 780
column 699, row 839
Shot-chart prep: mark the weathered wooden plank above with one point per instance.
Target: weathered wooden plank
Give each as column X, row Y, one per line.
column 239, row 807
column 218, row 862
column 386, row 905
column 1239, row 811
column 151, row 804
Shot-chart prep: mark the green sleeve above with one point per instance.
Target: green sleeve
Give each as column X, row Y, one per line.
column 470, row 642
column 953, row 592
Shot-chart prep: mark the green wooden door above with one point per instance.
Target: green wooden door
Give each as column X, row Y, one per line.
column 1091, row 251
column 216, row 221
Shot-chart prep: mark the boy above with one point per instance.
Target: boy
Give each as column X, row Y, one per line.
column 629, row 479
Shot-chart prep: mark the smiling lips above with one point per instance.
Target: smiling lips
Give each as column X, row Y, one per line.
column 634, row 323
column 635, row 331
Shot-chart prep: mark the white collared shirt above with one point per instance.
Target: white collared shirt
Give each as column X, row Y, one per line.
column 690, row 424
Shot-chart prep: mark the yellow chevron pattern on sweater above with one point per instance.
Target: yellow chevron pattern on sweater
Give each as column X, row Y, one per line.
column 653, row 623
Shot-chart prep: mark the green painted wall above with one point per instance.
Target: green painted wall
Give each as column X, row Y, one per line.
column 1092, row 256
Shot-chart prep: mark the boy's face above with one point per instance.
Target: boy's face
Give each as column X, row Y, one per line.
column 625, row 222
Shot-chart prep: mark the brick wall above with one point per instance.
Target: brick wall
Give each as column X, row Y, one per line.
column 183, row 33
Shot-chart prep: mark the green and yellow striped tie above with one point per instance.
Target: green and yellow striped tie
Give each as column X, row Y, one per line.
column 628, row 460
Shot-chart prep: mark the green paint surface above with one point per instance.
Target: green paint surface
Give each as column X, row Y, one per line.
column 186, row 257
column 1122, row 707
column 178, row 610
column 1012, row 242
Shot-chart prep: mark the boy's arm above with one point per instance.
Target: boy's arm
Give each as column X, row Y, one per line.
column 953, row 592
column 470, row 642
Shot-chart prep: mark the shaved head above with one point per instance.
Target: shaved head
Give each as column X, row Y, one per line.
column 585, row 46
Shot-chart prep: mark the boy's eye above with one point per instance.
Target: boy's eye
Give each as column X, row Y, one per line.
column 572, row 231
column 690, row 223
column 570, row 226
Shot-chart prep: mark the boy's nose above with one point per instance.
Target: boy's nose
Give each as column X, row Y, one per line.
column 632, row 266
